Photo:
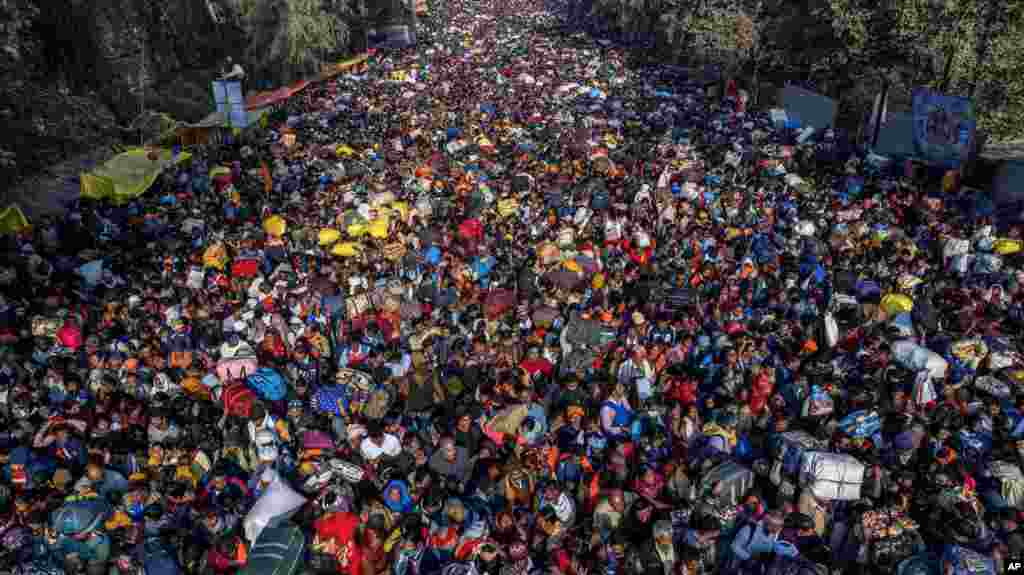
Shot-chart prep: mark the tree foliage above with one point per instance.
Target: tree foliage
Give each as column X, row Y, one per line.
column 16, row 20
column 293, row 38
column 850, row 48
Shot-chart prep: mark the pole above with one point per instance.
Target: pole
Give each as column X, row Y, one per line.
column 881, row 112
column 142, row 87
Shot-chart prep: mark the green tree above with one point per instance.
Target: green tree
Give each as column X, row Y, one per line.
column 294, row 38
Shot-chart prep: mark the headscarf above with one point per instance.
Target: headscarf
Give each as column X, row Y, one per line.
column 405, row 503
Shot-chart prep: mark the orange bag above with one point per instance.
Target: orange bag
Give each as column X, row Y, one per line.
column 181, row 359
column 194, row 387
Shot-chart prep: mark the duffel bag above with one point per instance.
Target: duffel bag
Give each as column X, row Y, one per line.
column 793, row 445
column 861, row 424
column 268, row 384
column 1011, row 483
column 975, row 446
column 993, row 387
column 832, row 476
column 278, row 551
column 728, row 483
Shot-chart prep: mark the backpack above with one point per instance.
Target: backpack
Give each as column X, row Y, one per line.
column 268, row 384
column 238, row 399
column 158, row 560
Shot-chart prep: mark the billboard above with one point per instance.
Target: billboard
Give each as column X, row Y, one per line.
column 944, row 128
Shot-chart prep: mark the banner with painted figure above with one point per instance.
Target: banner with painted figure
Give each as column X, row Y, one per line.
column 944, row 127
column 231, row 103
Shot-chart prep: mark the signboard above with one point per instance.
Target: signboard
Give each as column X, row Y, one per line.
column 944, row 127
column 392, row 37
column 231, row 103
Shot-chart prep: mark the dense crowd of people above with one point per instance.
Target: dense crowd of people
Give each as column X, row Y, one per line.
column 499, row 304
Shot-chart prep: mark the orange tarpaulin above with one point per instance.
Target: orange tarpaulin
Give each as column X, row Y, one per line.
column 264, row 99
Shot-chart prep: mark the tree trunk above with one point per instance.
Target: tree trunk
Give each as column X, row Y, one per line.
column 981, row 43
column 947, row 69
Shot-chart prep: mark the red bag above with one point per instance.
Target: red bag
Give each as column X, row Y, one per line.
column 238, row 399
column 245, row 268
column 734, row 328
column 471, row 229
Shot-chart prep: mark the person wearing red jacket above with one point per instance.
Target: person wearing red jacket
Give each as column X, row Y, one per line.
column 355, row 540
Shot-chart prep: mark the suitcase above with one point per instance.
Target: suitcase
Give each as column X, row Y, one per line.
column 832, row 476
column 277, row 551
column 728, row 483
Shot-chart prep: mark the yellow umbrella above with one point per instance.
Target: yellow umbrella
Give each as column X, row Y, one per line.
column 275, row 226
column 1005, row 247
column 357, row 229
column 328, row 236
column 402, row 208
column 347, row 249
column 378, row 228
column 895, row 304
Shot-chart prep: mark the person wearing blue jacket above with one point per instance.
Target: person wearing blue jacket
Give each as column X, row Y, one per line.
column 753, row 544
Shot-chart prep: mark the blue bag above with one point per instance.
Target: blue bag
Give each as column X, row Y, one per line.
column 268, row 384
column 868, row 291
column 965, row 561
column 861, row 424
column 974, row 446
